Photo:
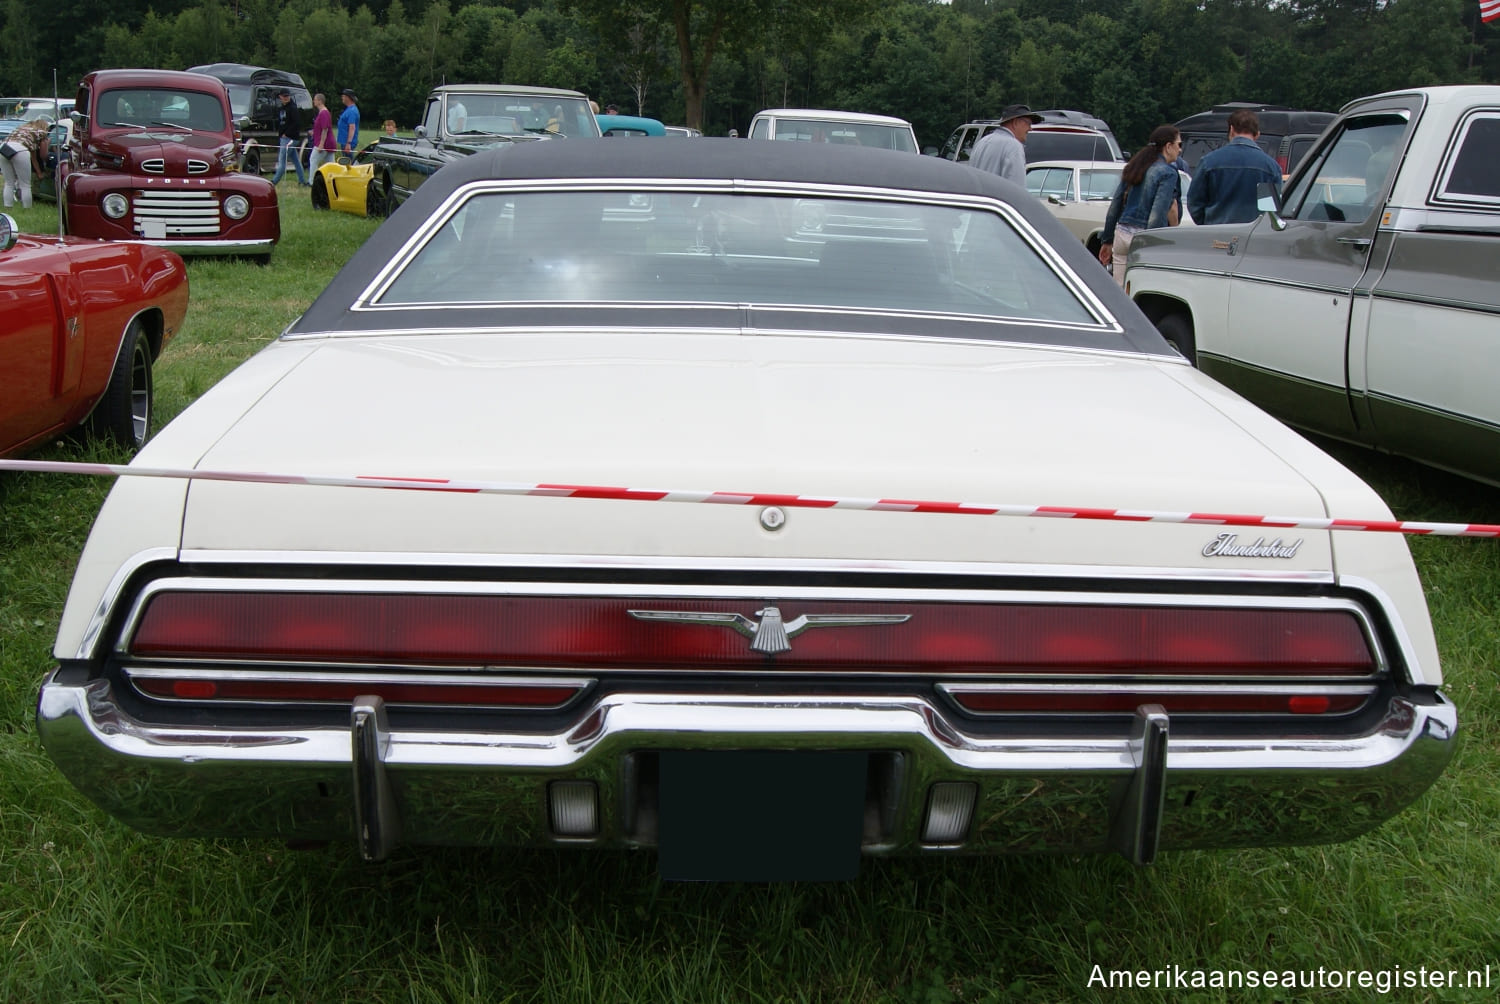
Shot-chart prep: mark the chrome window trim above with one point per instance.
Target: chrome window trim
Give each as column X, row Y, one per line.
column 884, row 566
column 1440, row 193
column 752, row 332
column 647, row 592
column 1446, row 219
column 401, row 258
column 1236, row 276
column 89, row 642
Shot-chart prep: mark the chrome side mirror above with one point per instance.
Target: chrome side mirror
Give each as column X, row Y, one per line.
column 1267, row 203
column 8, row 232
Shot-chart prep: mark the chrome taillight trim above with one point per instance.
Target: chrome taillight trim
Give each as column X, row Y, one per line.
column 749, row 594
column 362, row 677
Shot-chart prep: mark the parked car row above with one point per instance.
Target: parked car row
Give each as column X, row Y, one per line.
column 836, row 660
column 151, row 156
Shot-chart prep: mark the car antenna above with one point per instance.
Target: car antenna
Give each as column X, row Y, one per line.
column 57, row 185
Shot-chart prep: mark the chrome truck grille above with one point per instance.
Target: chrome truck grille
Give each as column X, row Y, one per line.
column 157, row 165
column 161, row 213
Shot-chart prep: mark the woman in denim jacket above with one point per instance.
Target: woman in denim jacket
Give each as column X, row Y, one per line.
column 1149, row 192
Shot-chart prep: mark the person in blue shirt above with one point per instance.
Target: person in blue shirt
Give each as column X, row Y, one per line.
column 1148, row 194
column 1224, row 189
column 348, row 135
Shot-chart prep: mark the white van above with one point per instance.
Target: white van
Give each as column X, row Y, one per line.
column 814, row 125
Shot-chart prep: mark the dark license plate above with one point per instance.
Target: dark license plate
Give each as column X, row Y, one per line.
column 761, row 816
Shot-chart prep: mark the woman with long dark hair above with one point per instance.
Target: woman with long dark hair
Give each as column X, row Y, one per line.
column 1148, row 192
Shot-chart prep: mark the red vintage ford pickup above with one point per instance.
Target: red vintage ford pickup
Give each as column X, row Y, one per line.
column 154, row 158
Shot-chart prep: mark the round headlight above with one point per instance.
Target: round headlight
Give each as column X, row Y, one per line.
column 236, row 207
column 115, row 205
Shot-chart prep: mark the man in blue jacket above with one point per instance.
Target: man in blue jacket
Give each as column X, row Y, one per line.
column 348, row 131
column 1223, row 188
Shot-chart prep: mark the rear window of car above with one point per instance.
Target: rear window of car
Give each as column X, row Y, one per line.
column 651, row 246
column 1042, row 144
column 881, row 137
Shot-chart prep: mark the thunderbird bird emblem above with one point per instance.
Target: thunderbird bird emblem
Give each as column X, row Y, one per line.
column 771, row 634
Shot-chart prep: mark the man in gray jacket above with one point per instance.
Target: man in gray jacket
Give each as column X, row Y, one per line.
column 1001, row 151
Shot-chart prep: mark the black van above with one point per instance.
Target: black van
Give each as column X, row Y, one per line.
column 1285, row 133
column 253, row 101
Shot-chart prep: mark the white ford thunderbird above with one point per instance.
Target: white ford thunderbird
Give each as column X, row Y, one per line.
column 727, row 649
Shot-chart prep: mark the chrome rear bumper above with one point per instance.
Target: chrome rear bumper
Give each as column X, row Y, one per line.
column 1082, row 794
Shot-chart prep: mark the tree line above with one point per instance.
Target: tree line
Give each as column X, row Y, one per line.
column 714, row 63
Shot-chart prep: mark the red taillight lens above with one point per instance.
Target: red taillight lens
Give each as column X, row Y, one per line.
column 435, row 691
column 571, row 631
column 1125, row 699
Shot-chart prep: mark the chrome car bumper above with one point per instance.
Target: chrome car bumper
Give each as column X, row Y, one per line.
column 189, row 248
column 1132, row 793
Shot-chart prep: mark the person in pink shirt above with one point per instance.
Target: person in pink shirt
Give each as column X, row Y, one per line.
column 322, row 134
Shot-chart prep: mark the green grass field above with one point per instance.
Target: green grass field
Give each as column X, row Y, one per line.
column 92, row 911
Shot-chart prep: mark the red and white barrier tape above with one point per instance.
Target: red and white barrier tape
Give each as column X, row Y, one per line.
column 764, row 499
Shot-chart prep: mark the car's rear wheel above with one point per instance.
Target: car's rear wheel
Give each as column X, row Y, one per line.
column 123, row 414
column 387, row 196
column 375, row 200
column 319, row 192
column 1178, row 331
column 251, row 163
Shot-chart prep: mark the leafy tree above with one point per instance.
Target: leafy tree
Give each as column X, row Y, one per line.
column 18, row 66
column 701, row 28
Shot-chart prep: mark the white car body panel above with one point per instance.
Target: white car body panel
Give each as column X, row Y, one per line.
column 512, row 407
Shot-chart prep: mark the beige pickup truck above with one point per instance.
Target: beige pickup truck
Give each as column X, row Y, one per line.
column 1366, row 306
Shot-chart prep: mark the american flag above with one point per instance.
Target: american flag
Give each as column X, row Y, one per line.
column 1489, row 10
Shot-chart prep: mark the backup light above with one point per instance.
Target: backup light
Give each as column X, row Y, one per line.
column 950, row 808
column 573, row 807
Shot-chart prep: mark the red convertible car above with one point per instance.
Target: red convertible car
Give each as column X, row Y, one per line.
column 81, row 323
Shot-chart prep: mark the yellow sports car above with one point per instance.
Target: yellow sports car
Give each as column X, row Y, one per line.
column 349, row 186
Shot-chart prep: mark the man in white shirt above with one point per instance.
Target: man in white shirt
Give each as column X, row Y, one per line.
column 1001, row 151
